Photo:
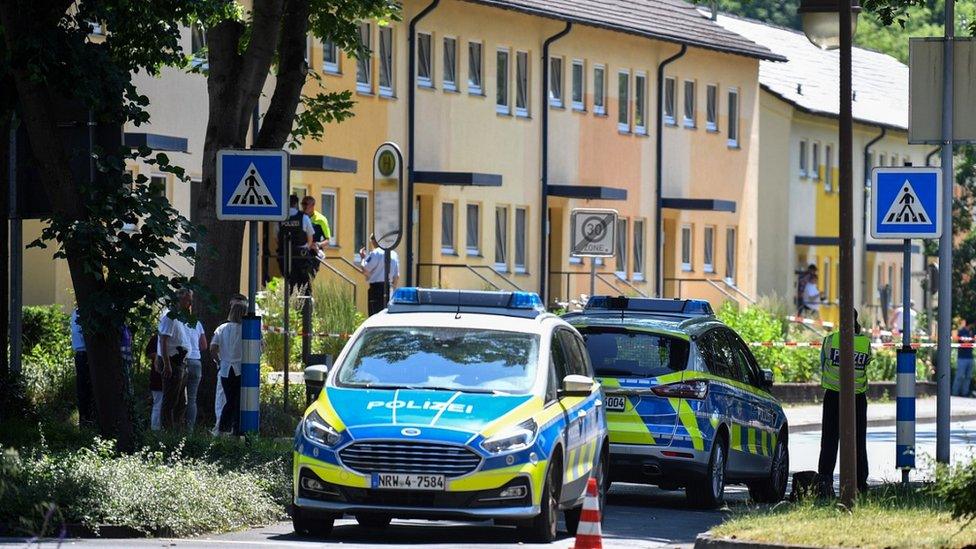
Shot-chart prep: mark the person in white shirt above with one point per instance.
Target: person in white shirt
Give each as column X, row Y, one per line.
column 83, row 387
column 172, row 349
column 812, row 298
column 226, row 346
column 197, row 339
column 897, row 318
column 374, row 269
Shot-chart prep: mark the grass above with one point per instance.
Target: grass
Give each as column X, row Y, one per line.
column 886, row 517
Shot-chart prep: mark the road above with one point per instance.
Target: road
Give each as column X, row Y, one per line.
column 636, row 516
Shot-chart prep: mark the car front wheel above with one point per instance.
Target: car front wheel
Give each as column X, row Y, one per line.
column 542, row 529
column 311, row 524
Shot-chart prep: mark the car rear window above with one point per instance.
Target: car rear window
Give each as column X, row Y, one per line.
column 628, row 353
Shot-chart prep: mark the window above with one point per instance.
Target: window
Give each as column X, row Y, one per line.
column 520, row 243
column 718, row 354
column 733, row 118
column 474, row 68
column 159, row 185
column 815, row 161
column 689, row 118
column 501, row 238
column 447, row 228
column 686, row 248
column 621, row 252
column 638, row 249
column 640, row 103
column 198, row 44
column 599, row 90
column 386, row 62
column 425, row 70
column 330, row 56
column 308, row 50
column 803, row 158
column 450, row 64
column 364, row 63
column 623, row 101
column 882, row 159
column 579, row 85
column 825, row 289
column 522, row 83
column 577, row 360
column 560, row 362
column 473, row 229
column 556, row 81
column 711, row 108
column 828, row 169
column 709, row 250
column 634, row 354
column 669, row 100
column 730, row 254
column 328, row 209
column 361, row 222
column 502, row 99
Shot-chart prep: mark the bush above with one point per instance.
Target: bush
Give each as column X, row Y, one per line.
column 45, row 325
column 957, row 487
column 154, row 492
column 335, row 313
column 760, row 323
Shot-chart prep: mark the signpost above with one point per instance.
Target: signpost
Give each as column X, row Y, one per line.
column 252, row 186
column 387, row 204
column 906, row 203
column 593, row 234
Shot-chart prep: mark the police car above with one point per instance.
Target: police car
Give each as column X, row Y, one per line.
column 454, row 405
column 687, row 404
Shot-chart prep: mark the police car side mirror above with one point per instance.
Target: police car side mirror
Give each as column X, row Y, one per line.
column 767, row 378
column 576, row 385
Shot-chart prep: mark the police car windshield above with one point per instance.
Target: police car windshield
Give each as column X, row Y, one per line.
column 624, row 353
column 438, row 358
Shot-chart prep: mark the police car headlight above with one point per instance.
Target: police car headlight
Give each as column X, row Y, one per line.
column 317, row 430
column 517, row 438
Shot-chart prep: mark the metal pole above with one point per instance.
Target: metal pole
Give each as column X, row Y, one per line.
column 592, row 276
column 942, row 412
column 287, row 323
column 307, row 326
column 252, row 267
column 251, row 343
column 386, row 276
column 16, row 259
column 905, row 380
column 848, row 433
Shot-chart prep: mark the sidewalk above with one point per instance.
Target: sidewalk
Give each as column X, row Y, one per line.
column 807, row 418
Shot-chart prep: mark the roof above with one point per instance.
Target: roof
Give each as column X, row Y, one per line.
column 810, row 79
column 473, row 321
column 674, row 21
column 658, row 323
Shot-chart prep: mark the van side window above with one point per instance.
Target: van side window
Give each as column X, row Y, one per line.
column 559, row 360
column 577, row 362
column 746, row 362
column 588, row 366
column 717, row 356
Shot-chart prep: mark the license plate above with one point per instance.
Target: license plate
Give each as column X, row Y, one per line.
column 616, row 403
column 398, row 481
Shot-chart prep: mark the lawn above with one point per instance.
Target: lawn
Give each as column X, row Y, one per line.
column 886, row 517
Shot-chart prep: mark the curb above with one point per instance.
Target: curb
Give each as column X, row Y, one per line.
column 707, row 541
column 882, row 422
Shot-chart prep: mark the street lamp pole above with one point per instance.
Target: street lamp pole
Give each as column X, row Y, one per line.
column 848, row 454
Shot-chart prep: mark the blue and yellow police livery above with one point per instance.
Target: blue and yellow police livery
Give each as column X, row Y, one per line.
column 454, row 405
column 687, row 404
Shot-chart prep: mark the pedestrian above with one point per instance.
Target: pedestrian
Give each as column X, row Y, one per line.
column 897, row 318
column 83, row 386
column 197, row 339
column 155, row 383
column 226, row 346
column 172, row 350
column 296, row 235
column 830, row 380
column 374, row 269
column 811, row 298
column 801, row 287
column 961, row 385
column 321, row 232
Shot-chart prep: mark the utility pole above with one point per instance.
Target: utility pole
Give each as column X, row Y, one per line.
column 945, row 245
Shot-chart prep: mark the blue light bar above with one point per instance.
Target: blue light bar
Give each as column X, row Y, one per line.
column 416, row 300
column 684, row 307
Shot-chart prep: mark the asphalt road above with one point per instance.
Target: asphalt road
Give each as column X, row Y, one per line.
column 636, row 516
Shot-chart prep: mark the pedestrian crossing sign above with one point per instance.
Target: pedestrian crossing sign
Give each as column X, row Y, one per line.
column 252, row 185
column 906, row 203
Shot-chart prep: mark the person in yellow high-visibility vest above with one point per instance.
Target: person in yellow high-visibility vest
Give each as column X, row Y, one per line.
column 830, row 379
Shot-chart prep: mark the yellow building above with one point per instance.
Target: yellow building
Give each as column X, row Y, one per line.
column 798, row 180
column 481, row 105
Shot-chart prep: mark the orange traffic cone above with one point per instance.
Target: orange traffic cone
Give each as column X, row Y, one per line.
column 588, row 534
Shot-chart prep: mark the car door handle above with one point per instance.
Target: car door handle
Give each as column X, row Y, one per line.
column 581, row 414
column 597, row 403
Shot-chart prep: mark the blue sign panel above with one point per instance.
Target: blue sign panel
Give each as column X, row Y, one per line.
column 906, row 203
column 252, row 185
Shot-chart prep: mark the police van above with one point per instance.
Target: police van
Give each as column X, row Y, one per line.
column 454, row 405
column 687, row 404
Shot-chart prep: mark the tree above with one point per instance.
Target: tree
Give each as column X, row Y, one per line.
column 59, row 74
column 242, row 50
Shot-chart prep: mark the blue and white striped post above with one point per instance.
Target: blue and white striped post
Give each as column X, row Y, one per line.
column 905, row 381
column 250, row 373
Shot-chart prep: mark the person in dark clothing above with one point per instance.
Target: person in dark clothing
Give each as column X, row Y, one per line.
column 296, row 236
column 962, row 383
column 83, row 386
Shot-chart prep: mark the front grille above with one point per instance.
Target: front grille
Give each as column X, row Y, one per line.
column 417, row 458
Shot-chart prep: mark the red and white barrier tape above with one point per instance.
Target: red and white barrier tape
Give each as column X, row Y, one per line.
column 293, row 333
column 875, row 345
column 810, row 321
